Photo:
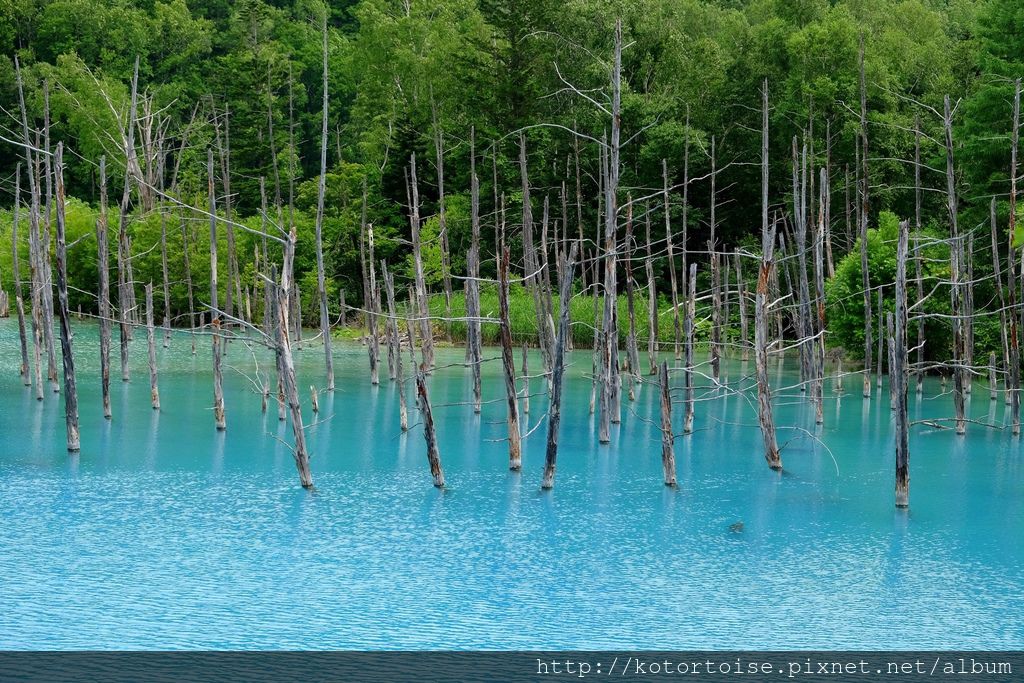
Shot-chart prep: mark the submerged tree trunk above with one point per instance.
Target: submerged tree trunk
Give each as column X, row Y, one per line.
column 863, row 223
column 1014, row 341
column 764, row 393
column 555, row 408
column 104, row 293
column 473, row 329
column 668, row 458
column 22, row 338
column 691, row 324
column 956, row 251
column 898, row 374
column 515, row 455
column 219, row 418
column 421, row 288
column 154, row 391
column 70, row 390
column 671, row 263
column 389, row 289
column 286, row 363
column 433, row 454
column 652, row 300
column 325, row 317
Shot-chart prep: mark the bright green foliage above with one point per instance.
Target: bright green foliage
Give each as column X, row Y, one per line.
column 845, row 299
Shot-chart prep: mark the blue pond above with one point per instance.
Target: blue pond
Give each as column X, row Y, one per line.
column 164, row 533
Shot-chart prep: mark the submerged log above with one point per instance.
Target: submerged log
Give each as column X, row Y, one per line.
column 558, row 369
column 70, row 390
column 314, row 398
column 668, row 458
column 154, row 391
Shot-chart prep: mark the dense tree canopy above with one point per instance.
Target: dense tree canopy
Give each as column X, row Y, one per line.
column 245, row 74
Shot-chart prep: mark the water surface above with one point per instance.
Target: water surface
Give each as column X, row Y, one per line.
column 163, row 533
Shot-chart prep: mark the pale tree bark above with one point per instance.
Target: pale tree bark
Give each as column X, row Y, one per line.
column 863, row 222
column 70, row 389
column 15, row 272
column 515, row 454
column 154, row 391
column 764, row 395
column 325, row 317
column 558, row 369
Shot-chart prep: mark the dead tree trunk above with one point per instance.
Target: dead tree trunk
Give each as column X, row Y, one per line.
column 956, row 250
column 104, row 294
column 389, row 289
column 919, row 253
column 611, row 403
column 998, row 275
column 325, row 316
column 691, row 324
column 287, row 365
column 433, row 455
column 652, row 300
column 70, row 390
column 864, row 208
column 442, row 220
column 423, row 312
column 473, row 282
column 555, row 407
column 881, row 340
column 526, row 383
column 515, row 457
column 632, row 352
column 125, row 284
column 34, row 283
column 372, row 308
column 1014, row 364
column 819, row 300
column 741, row 301
column 15, row 273
column 671, row 263
column 716, row 294
column 218, row 374
column 764, row 392
column 533, row 279
column 163, row 261
column 898, row 374
column 668, row 457
column 154, row 391
column 47, row 267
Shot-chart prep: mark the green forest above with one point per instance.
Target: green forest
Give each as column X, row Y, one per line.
column 458, row 81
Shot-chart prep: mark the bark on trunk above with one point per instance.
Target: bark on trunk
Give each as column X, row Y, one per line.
column 70, row 389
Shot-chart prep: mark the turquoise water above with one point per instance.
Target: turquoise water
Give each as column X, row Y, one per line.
column 164, row 533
